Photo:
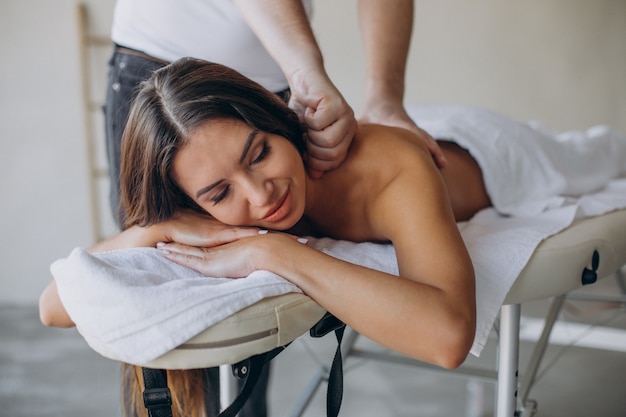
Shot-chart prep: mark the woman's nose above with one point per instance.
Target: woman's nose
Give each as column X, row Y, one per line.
column 259, row 191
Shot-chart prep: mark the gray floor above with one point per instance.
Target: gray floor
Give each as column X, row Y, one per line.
column 52, row 372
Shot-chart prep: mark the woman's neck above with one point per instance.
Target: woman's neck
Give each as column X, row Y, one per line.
column 313, row 193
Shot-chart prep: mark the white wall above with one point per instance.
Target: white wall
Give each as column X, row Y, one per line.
column 42, row 169
column 559, row 61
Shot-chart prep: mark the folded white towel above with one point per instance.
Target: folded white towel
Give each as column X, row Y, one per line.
column 134, row 305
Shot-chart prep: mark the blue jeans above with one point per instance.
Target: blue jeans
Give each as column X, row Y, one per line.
column 126, row 72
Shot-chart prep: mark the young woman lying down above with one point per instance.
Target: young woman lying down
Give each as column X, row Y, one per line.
column 211, row 162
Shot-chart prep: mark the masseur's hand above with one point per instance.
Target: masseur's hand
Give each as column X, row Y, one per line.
column 284, row 29
column 330, row 121
column 394, row 114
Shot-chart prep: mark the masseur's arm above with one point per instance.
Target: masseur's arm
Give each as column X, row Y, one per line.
column 285, row 31
column 386, row 28
column 186, row 227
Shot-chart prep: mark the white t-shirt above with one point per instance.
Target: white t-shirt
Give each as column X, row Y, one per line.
column 213, row 30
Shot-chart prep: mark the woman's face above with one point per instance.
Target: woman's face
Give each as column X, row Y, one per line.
column 242, row 176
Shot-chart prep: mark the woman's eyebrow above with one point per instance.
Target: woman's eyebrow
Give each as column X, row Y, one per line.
column 207, row 188
column 246, row 148
column 248, row 144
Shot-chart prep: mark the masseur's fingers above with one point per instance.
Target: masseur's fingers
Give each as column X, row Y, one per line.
column 431, row 144
column 328, row 145
column 329, row 119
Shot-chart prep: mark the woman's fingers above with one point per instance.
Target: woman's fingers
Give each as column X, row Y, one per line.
column 204, row 231
column 230, row 234
column 230, row 260
column 192, row 257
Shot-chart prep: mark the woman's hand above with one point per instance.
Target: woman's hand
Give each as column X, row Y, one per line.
column 201, row 230
column 235, row 259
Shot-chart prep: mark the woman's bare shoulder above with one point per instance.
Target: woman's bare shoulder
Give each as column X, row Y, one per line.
column 379, row 156
column 396, row 168
column 380, row 136
column 386, row 150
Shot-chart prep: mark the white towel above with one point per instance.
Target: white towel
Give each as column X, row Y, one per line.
column 134, row 305
column 528, row 168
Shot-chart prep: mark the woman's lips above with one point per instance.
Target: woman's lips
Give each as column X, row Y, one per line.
column 281, row 210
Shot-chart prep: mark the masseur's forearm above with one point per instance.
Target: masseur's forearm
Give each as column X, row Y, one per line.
column 386, row 28
column 283, row 28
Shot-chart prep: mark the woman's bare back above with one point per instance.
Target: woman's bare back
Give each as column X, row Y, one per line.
column 378, row 155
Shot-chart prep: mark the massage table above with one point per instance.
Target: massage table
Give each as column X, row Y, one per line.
column 589, row 249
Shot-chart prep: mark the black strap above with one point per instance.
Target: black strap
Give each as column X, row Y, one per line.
column 334, row 395
column 156, row 395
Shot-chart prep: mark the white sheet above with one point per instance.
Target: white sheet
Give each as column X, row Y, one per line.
column 134, row 305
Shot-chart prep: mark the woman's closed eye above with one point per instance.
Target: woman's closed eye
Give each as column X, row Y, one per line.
column 265, row 150
column 221, row 195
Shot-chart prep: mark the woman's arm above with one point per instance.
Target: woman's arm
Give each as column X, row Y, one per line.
column 51, row 310
column 429, row 311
